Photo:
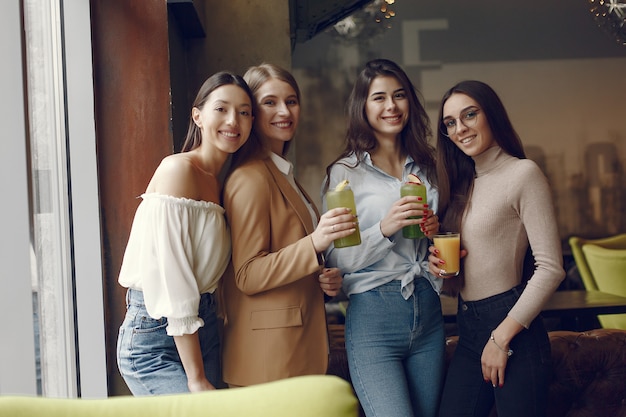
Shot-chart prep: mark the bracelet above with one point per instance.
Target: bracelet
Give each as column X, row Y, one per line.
column 508, row 352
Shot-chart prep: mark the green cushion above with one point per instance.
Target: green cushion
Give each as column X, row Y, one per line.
column 608, row 267
column 576, row 243
column 305, row 396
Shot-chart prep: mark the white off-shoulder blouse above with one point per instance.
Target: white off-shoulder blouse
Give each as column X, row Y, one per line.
column 178, row 249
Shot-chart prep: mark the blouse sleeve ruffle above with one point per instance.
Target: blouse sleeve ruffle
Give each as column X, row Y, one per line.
column 186, row 325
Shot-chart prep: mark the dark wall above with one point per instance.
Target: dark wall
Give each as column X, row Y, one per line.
column 150, row 58
column 133, row 129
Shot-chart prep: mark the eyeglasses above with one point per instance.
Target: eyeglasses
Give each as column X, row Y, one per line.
column 467, row 118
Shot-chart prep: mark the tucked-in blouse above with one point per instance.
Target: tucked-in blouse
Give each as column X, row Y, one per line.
column 178, row 249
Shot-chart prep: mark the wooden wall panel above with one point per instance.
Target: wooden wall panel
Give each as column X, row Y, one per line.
column 144, row 85
column 133, row 128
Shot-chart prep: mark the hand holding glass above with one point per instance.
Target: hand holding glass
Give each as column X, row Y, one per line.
column 419, row 190
column 344, row 198
column 449, row 247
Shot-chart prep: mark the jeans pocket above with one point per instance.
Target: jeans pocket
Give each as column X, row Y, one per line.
column 146, row 324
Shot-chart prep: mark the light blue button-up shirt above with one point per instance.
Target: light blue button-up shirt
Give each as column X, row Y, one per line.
column 379, row 260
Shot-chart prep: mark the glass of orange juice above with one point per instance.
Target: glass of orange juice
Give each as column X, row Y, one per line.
column 449, row 247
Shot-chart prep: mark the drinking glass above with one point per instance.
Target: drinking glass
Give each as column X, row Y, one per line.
column 449, row 246
column 410, row 188
column 344, row 198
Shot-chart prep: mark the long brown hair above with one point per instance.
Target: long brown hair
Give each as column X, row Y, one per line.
column 256, row 76
column 455, row 170
column 193, row 139
column 360, row 135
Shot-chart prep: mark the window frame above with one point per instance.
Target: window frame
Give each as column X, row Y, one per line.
column 84, row 316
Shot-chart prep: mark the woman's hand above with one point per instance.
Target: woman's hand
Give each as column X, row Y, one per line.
column 398, row 216
column 190, row 352
column 334, row 224
column 199, row 385
column 493, row 362
column 330, row 281
column 430, row 225
column 495, row 353
column 436, row 265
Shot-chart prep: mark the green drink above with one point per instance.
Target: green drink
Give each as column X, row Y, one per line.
column 344, row 198
column 414, row 189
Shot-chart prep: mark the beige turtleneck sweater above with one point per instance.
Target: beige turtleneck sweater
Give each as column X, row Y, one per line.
column 510, row 207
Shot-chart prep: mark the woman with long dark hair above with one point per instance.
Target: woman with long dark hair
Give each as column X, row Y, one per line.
column 502, row 206
column 394, row 326
column 179, row 247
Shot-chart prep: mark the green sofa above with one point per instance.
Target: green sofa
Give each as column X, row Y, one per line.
column 305, row 396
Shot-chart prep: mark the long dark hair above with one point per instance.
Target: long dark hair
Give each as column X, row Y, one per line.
column 360, row 135
column 455, row 170
column 193, row 139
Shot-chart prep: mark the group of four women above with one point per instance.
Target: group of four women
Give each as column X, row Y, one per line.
column 273, row 283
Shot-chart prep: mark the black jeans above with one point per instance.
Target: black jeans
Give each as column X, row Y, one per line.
column 528, row 370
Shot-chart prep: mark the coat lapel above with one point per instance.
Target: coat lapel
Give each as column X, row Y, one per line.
column 292, row 196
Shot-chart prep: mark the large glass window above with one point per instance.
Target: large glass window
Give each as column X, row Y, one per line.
column 51, row 295
column 52, row 282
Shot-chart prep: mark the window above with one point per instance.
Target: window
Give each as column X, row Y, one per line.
column 62, row 265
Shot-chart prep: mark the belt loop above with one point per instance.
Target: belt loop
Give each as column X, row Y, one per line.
column 517, row 290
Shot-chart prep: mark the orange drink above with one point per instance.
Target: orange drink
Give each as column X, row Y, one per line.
column 449, row 246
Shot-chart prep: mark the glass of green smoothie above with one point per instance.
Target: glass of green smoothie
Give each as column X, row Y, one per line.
column 342, row 196
column 413, row 187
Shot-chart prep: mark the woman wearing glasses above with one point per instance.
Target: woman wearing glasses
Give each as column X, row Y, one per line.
column 502, row 205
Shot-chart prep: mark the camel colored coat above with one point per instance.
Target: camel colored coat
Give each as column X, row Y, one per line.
column 275, row 321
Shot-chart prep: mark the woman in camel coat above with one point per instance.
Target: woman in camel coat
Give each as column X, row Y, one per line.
column 275, row 323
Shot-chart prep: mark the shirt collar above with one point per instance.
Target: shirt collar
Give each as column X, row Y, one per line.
column 367, row 159
column 282, row 164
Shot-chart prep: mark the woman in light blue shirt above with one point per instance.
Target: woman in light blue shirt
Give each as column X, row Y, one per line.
column 394, row 326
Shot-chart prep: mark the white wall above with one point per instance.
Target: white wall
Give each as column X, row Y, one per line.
column 563, row 85
column 560, row 107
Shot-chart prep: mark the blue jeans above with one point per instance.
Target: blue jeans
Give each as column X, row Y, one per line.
column 395, row 350
column 528, row 370
column 147, row 357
